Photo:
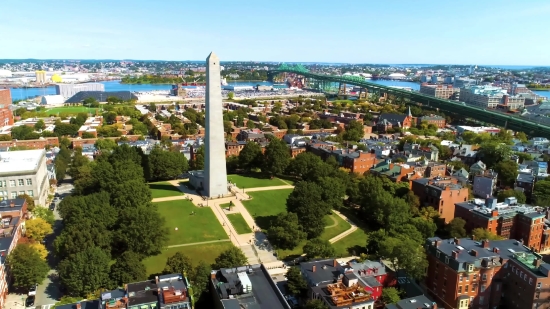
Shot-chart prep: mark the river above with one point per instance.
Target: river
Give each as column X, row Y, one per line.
column 22, row 94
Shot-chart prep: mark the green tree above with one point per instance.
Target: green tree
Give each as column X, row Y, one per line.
column 66, row 300
column 39, row 125
column 480, row 233
column 276, row 157
column 318, row 248
column 178, row 263
column 390, row 295
column 455, row 228
column 507, row 172
column 523, row 156
column 520, row 196
column 29, row 200
column 232, row 257
column 105, row 144
column 36, row 229
column 296, row 284
column 232, row 164
column 250, row 156
column 127, row 268
column 404, row 253
column 201, row 279
column 231, row 95
column 303, row 165
column 85, row 272
column 286, row 232
column 167, row 164
column 354, row 131
column 522, row 137
column 198, row 161
column 316, row 304
column 306, row 201
column 66, row 129
column 26, row 266
column 541, row 193
column 493, row 152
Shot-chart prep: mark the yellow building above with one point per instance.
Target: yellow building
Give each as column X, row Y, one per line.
column 40, row 77
column 56, row 78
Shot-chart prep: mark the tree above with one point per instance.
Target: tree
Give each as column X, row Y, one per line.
column 66, row 129
column 296, row 284
column 201, row 279
column 29, row 200
column 39, row 125
column 45, row 214
column 541, row 193
column 66, row 300
column 276, row 157
column 232, row 164
column 318, row 248
column 456, row 229
column 167, row 164
column 127, row 268
column 520, row 196
column 522, row 137
column 354, row 131
column 306, row 201
column 5, row 138
column 250, row 156
column 507, row 172
column 178, row 263
column 27, row 266
column 105, row 144
column 390, row 295
column 36, row 229
column 198, row 161
column 493, row 152
column 286, row 232
column 85, row 272
column 304, row 164
column 404, row 253
column 232, row 257
column 315, row 304
column 230, row 95
column 41, row 249
column 481, row 233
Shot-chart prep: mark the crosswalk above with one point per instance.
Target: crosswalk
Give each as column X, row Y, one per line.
column 45, row 306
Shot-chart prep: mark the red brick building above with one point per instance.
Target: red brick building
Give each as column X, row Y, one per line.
column 359, row 162
column 394, row 121
column 509, row 221
column 436, row 120
column 33, row 143
column 6, row 115
column 466, row 273
column 442, row 193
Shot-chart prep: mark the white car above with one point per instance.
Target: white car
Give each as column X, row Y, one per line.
column 32, row 290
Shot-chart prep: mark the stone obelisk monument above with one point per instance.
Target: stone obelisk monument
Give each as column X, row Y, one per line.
column 215, row 173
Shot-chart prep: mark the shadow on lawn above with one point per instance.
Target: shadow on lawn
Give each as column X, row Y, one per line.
column 164, row 187
column 264, row 222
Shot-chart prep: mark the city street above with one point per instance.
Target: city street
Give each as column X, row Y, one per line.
column 48, row 292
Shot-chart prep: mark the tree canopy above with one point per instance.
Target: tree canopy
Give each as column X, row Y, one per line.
column 27, row 266
column 37, row 228
column 285, row 232
column 318, row 248
column 232, row 257
column 85, row 272
column 127, row 268
column 296, row 284
column 306, row 201
column 276, row 157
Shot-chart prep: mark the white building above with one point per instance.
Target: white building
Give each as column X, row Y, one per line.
column 24, row 172
column 68, row 90
column 397, row 76
column 52, row 100
column 5, row 73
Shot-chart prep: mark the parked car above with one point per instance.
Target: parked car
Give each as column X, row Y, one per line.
column 30, row 301
column 32, row 290
column 52, row 206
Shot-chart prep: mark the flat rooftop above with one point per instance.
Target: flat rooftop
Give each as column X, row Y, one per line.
column 20, row 161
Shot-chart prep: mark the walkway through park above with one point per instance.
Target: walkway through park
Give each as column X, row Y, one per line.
column 254, row 245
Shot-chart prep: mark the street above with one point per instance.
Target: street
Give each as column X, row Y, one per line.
column 48, row 292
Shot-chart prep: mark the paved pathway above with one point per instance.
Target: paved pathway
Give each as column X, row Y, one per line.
column 334, row 223
column 198, row 243
column 254, row 245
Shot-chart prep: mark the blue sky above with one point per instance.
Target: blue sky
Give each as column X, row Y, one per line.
column 504, row 32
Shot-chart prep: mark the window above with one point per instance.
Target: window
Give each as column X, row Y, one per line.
column 21, row 182
column 460, row 278
column 2, row 183
column 539, row 285
column 474, row 287
column 475, row 277
column 497, row 287
column 14, row 195
column 483, row 288
column 471, row 268
column 446, row 260
column 29, row 182
column 12, row 183
column 466, row 288
column 437, row 254
column 459, row 289
column 484, row 277
column 21, row 193
column 481, row 300
column 30, row 193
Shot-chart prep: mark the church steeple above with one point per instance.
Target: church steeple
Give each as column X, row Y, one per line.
column 409, row 114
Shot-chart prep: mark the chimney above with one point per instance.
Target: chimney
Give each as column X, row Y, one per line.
column 496, row 250
column 537, row 262
column 157, row 279
column 213, row 274
column 437, row 243
column 473, row 252
column 455, row 254
column 473, row 237
column 314, row 268
column 520, row 242
column 335, row 263
column 485, row 243
column 78, row 305
column 457, row 241
column 434, row 306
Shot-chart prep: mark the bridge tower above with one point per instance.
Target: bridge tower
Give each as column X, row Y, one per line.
column 341, row 89
column 362, row 93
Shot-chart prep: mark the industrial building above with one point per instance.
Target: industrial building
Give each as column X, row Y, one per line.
column 101, row 96
column 24, row 172
column 440, row 91
column 40, row 77
column 69, row 90
column 52, row 100
column 490, row 97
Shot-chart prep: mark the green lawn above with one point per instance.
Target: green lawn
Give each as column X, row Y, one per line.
column 207, row 253
column 354, row 243
column 254, row 181
column 71, row 110
column 332, row 230
column 202, row 226
column 266, row 205
column 238, row 223
column 163, row 189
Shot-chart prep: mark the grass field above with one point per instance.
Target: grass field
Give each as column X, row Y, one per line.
column 254, row 181
column 331, row 229
column 71, row 110
column 238, row 223
column 163, row 189
column 266, row 205
column 202, row 226
column 207, row 253
column 354, row 243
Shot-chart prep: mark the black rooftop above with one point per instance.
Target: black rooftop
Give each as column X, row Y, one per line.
column 142, row 293
column 325, row 272
column 101, row 96
column 417, row 302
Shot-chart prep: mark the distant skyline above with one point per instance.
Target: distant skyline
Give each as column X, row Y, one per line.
column 488, row 33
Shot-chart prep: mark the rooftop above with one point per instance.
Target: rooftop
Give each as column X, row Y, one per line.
column 507, row 210
column 20, row 161
column 417, row 302
column 247, row 287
